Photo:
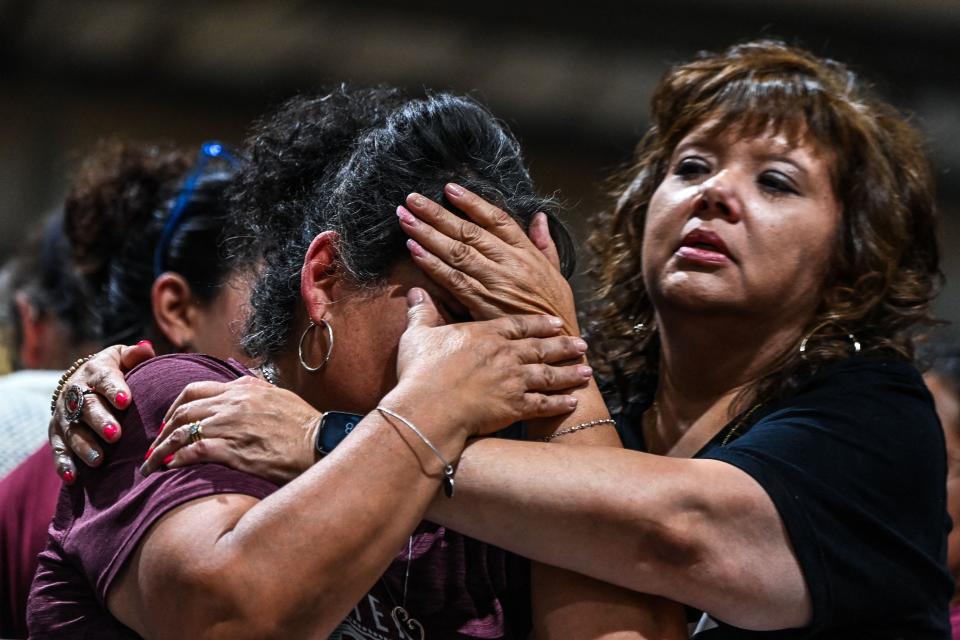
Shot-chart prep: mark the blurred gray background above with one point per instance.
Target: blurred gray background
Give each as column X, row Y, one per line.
column 573, row 81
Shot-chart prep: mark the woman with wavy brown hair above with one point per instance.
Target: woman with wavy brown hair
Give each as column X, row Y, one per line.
column 768, row 262
column 762, row 275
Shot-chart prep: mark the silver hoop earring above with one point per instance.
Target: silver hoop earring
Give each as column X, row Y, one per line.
column 326, row 358
column 803, row 343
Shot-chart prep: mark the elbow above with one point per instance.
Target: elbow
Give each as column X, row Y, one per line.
column 230, row 602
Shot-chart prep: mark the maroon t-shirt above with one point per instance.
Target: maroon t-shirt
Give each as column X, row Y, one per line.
column 458, row 587
column 28, row 496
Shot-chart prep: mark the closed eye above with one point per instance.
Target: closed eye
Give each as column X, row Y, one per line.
column 777, row 183
column 691, row 167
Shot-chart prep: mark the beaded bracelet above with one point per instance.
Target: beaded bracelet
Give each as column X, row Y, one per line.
column 63, row 381
column 574, row 429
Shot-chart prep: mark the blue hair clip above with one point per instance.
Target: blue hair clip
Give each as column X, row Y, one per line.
column 208, row 151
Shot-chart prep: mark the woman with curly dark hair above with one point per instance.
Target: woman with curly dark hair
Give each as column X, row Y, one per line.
column 329, row 543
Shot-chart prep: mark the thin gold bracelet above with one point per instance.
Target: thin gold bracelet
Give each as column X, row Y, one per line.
column 574, row 429
column 63, row 380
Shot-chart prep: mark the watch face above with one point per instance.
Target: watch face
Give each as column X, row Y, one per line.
column 334, row 427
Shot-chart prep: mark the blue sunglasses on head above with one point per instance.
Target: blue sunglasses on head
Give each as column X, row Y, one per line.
column 208, row 151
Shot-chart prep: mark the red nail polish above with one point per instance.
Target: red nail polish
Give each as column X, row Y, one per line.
column 68, row 477
column 148, row 454
column 122, row 400
column 110, row 432
column 168, row 459
column 163, row 423
column 145, row 343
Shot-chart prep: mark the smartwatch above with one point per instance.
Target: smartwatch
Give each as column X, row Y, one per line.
column 334, row 427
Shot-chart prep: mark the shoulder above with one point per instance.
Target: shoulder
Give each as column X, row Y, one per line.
column 156, row 383
column 185, row 366
column 880, row 400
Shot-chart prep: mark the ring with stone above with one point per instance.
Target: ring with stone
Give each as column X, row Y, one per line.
column 195, row 431
column 73, row 401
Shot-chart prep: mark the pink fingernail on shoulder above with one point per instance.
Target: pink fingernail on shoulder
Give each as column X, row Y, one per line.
column 110, row 432
column 122, row 400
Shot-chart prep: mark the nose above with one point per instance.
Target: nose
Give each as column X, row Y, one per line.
column 717, row 197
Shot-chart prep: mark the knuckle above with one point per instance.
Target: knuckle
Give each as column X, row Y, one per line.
column 469, row 232
column 460, row 253
column 460, row 282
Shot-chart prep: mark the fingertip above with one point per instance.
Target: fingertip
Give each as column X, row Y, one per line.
column 414, row 247
column 111, row 432
column 572, row 402
column 121, row 400
column 67, row 476
column 415, row 296
column 453, row 189
column 555, row 322
column 145, row 343
column 416, row 200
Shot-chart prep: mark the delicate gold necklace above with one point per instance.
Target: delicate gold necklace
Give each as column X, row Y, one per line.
column 737, row 424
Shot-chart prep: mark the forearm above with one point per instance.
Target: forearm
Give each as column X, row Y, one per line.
column 295, row 563
column 700, row 532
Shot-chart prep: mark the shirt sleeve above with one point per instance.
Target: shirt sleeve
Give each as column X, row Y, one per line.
column 855, row 465
column 111, row 508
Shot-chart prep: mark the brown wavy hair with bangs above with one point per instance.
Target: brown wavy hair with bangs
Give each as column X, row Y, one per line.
column 885, row 267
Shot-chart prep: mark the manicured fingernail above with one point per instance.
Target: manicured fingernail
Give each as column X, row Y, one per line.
column 68, row 476
column 585, row 370
column 144, row 471
column 168, row 459
column 580, row 344
column 405, row 216
column 148, row 454
column 122, row 400
column 163, row 423
column 93, row 455
column 416, row 200
column 110, row 432
column 454, row 189
column 414, row 297
column 415, row 248
column 555, row 321
column 145, row 343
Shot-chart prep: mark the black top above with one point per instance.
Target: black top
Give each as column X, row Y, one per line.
column 854, row 461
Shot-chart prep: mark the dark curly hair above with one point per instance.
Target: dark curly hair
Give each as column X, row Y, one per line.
column 289, row 152
column 885, row 268
column 116, row 212
column 420, row 146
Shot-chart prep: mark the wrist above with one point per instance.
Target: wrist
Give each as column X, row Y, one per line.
column 447, row 433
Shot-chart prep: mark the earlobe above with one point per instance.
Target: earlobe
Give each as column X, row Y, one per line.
column 319, row 275
column 173, row 305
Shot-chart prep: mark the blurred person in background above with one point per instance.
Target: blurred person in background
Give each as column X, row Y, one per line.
column 943, row 380
column 53, row 326
column 142, row 261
